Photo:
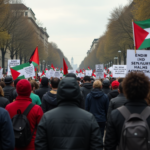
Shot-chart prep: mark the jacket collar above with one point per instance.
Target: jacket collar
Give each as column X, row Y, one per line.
column 23, row 98
column 121, row 95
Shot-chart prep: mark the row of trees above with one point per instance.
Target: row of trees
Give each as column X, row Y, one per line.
column 119, row 34
column 19, row 37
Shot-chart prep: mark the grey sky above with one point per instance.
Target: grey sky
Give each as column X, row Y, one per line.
column 73, row 24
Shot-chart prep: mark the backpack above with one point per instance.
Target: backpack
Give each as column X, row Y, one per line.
column 135, row 132
column 21, row 127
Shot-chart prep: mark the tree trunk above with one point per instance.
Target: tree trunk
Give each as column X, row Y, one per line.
column 3, row 59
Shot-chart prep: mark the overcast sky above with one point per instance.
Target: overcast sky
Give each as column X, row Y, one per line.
column 73, row 24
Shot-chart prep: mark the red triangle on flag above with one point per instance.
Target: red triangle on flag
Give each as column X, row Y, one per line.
column 35, row 56
column 139, row 35
column 15, row 74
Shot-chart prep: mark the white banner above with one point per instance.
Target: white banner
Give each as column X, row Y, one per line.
column 119, row 71
column 29, row 71
column 72, row 71
column 88, row 72
column 99, row 68
column 139, row 61
column 12, row 63
column 1, row 73
column 57, row 74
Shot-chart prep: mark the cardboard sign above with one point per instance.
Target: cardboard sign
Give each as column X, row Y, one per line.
column 1, row 73
column 119, row 71
column 88, row 72
column 12, row 63
column 72, row 71
column 139, row 61
column 29, row 71
column 51, row 73
column 57, row 74
column 99, row 71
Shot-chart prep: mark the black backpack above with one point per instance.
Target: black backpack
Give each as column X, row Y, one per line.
column 135, row 132
column 21, row 127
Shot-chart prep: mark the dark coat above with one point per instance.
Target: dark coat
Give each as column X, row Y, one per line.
column 8, row 93
column 116, row 121
column 49, row 101
column 97, row 103
column 113, row 94
column 86, row 89
column 116, row 102
column 41, row 91
column 3, row 102
column 106, row 90
column 68, row 127
column 7, row 138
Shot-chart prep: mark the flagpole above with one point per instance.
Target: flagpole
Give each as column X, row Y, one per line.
column 133, row 36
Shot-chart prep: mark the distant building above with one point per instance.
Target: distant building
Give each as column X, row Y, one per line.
column 74, row 66
column 93, row 46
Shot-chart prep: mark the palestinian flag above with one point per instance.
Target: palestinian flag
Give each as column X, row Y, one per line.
column 52, row 67
column 65, row 67
column 83, row 70
column 141, row 33
column 93, row 74
column 77, row 72
column 89, row 68
column 60, row 69
column 22, row 71
column 42, row 75
column 34, row 59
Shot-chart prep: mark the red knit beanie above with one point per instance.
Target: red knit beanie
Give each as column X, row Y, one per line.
column 23, row 88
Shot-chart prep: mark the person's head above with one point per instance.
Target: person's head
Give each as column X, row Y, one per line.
column 15, row 82
column 120, row 80
column 9, row 81
column 86, row 79
column 24, row 88
column 120, row 90
column 2, row 84
column 55, row 83
column 106, row 83
column 69, row 91
column 136, row 86
column 1, row 91
column 115, row 85
column 71, row 75
column 32, row 85
column 97, row 84
column 44, row 82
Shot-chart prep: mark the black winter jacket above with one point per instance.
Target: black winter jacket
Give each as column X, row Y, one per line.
column 7, row 138
column 114, row 103
column 113, row 94
column 49, row 101
column 41, row 91
column 3, row 102
column 86, row 89
column 8, row 93
column 68, row 127
column 116, row 121
column 106, row 90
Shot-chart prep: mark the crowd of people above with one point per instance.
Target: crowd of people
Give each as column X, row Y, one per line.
column 75, row 114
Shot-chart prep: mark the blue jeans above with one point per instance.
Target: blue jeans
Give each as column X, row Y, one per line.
column 102, row 127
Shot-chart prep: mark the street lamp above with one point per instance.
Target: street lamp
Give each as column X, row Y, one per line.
column 115, row 58
column 119, row 57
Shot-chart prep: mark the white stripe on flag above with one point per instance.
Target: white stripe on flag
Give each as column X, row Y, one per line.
column 148, row 30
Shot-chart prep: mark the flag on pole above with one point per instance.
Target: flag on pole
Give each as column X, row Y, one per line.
column 65, row 67
column 34, row 59
column 89, row 68
column 141, row 33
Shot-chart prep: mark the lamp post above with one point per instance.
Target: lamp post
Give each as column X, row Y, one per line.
column 48, row 67
column 119, row 57
column 115, row 58
column 43, row 64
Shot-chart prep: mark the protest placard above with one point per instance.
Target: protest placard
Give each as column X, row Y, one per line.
column 139, row 61
column 1, row 73
column 57, row 74
column 72, row 71
column 88, row 72
column 12, row 63
column 99, row 68
column 119, row 71
column 29, row 71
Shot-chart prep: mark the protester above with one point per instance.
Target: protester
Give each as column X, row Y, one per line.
column 49, row 100
column 3, row 101
column 114, row 93
column 106, row 86
column 68, row 126
column 35, row 98
column 7, row 141
column 15, row 92
column 9, row 88
column 97, row 103
column 136, row 87
column 43, row 88
column 2, row 84
column 86, row 87
column 23, row 100
column 119, row 101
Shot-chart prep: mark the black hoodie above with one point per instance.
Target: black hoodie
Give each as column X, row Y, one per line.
column 49, row 101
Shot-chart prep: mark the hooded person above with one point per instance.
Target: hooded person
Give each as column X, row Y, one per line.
column 106, row 86
column 97, row 103
column 68, row 126
column 21, row 103
column 49, row 100
column 44, row 88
